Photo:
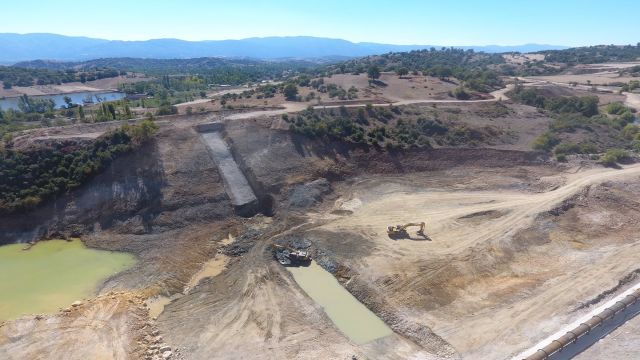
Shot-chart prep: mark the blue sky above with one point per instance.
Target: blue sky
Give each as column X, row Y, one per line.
column 448, row 22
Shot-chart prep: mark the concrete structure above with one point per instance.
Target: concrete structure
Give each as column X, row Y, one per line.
column 574, row 341
column 208, row 127
column 236, row 185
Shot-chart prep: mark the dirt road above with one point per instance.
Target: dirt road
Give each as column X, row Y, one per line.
column 633, row 100
column 444, row 209
column 292, row 107
column 497, row 95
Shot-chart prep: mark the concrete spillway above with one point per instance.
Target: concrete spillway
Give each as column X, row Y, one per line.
column 236, row 185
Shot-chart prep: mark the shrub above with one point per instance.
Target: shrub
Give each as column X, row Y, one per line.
column 629, row 131
column 567, row 148
column 460, row 94
column 613, row 156
column 545, row 142
column 615, row 108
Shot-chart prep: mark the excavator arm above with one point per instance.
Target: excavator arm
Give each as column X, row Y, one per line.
column 402, row 229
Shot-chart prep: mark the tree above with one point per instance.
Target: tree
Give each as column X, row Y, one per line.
column 373, row 72
column 67, row 100
column 81, row 112
column 402, row 71
column 290, row 92
column 461, row 94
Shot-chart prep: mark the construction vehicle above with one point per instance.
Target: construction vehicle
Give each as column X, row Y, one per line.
column 400, row 231
column 288, row 256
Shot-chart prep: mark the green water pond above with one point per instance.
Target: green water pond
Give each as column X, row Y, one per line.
column 349, row 315
column 52, row 274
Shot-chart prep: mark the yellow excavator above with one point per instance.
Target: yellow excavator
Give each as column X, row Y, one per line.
column 398, row 231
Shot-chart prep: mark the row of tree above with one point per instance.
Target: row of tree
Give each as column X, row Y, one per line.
column 20, row 76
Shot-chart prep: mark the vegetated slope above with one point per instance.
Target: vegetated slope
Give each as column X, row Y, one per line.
column 593, row 54
column 581, row 125
column 396, row 126
column 215, row 70
column 29, row 177
column 19, row 76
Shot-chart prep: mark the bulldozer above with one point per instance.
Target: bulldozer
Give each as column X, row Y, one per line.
column 400, row 231
column 288, row 256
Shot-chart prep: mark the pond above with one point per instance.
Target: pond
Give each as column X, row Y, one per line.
column 52, row 275
column 347, row 313
column 76, row 98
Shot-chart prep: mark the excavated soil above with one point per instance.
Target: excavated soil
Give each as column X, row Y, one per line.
column 514, row 244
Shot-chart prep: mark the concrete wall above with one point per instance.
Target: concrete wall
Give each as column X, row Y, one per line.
column 236, row 185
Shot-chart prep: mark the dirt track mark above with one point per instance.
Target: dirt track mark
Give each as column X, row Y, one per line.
column 442, row 210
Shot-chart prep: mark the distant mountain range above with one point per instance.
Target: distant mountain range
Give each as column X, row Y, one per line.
column 25, row 47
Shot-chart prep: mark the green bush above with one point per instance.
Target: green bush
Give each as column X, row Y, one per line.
column 630, row 131
column 460, row 93
column 545, row 142
column 615, row 108
column 613, row 156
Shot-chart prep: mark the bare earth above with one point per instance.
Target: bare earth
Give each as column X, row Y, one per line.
column 473, row 276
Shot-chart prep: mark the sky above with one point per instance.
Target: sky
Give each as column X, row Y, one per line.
column 426, row 22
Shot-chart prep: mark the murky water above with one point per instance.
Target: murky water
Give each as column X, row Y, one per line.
column 76, row 98
column 52, row 274
column 347, row 313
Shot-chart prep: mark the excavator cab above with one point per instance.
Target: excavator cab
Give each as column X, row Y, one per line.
column 400, row 231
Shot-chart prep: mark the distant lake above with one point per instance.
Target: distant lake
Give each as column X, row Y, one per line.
column 77, row 98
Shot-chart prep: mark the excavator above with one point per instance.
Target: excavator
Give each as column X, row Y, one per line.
column 289, row 256
column 400, row 231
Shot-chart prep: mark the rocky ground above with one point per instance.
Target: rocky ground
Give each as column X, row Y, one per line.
column 512, row 240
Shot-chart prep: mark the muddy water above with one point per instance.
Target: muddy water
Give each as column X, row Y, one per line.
column 52, row 274
column 347, row 313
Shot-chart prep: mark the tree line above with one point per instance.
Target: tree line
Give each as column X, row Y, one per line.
column 28, row 178
column 19, row 76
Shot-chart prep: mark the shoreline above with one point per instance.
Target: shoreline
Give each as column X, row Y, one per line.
column 62, row 93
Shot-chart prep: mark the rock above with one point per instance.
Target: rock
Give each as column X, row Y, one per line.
column 166, row 354
column 157, row 339
column 164, row 348
column 309, row 194
column 155, row 333
column 76, row 303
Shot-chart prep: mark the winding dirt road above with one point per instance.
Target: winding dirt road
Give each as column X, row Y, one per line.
column 293, row 107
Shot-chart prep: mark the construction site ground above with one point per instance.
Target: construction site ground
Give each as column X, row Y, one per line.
column 516, row 246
